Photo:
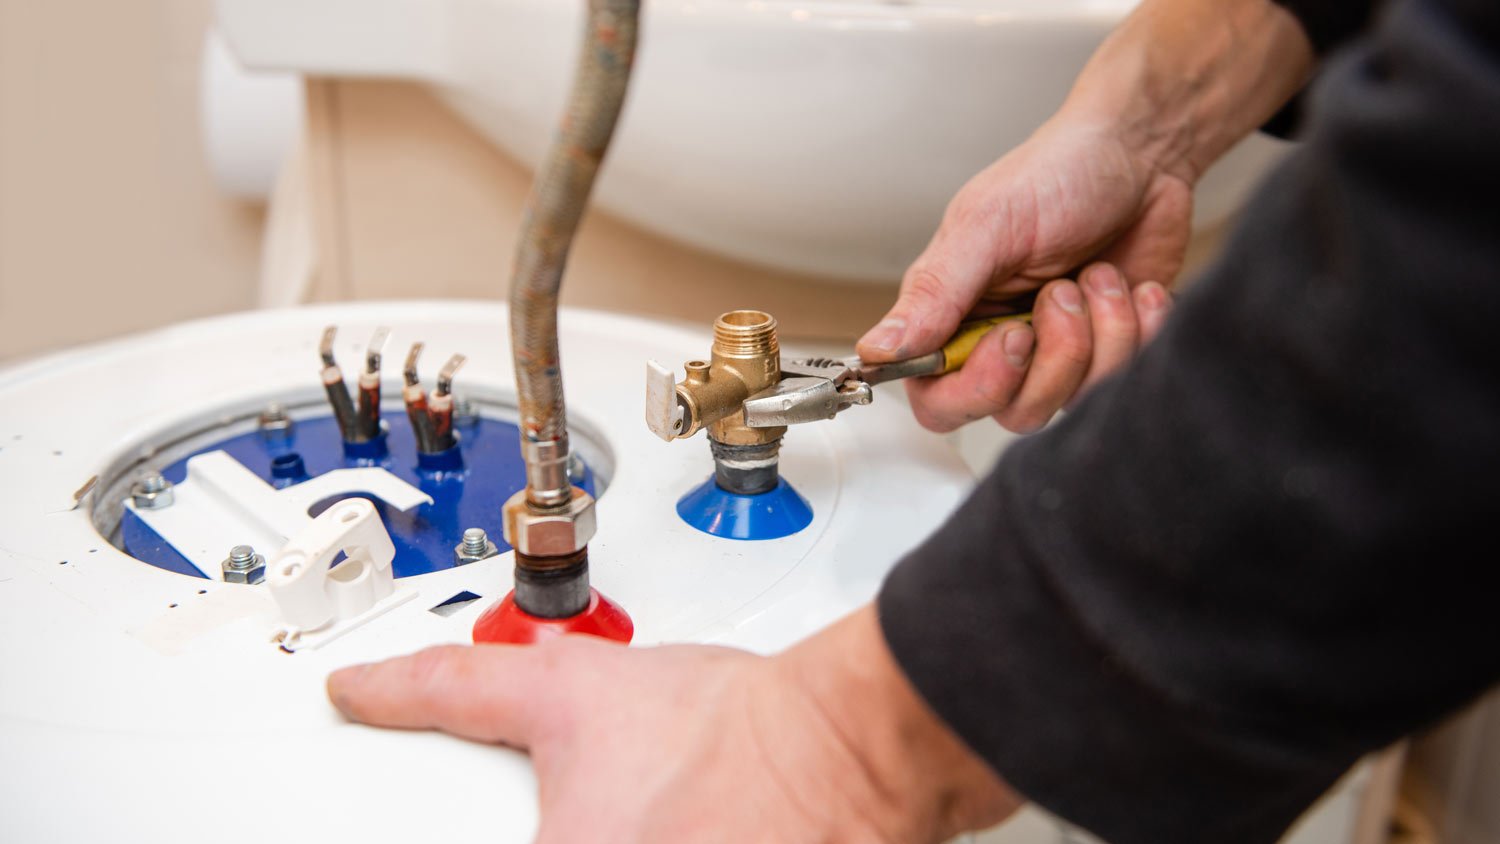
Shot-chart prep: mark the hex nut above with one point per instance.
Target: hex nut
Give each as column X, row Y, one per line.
column 151, row 493
column 252, row 575
column 463, row 553
column 550, row 534
column 274, row 421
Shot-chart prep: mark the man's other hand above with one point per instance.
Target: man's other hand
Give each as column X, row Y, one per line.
column 826, row 742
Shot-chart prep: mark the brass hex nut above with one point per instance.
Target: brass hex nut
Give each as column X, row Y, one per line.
column 553, row 533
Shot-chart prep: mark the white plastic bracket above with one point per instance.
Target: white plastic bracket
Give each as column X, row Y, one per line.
column 222, row 504
column 319, row 601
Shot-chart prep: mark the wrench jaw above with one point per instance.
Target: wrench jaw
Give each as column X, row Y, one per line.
column 800, row 399
column 810, row 390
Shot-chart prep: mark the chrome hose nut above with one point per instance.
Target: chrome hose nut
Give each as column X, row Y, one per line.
column 550, row 533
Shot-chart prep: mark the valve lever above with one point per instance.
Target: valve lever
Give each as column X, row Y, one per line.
column 664, row 414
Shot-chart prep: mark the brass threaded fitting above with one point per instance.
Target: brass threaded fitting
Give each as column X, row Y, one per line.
column 745, row 359
column 746, row 334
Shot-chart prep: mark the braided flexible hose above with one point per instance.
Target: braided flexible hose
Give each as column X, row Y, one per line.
column 553, row 211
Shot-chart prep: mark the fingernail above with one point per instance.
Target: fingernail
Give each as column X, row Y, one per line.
column 1105, row 281
column 1017, row 343
column 1152, row 296
column 886, row 336
column 1068, row 298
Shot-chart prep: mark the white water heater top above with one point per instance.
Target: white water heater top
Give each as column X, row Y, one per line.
column 158, row 699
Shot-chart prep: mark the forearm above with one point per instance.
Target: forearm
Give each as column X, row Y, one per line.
column 1183, row 80
column 933, row 786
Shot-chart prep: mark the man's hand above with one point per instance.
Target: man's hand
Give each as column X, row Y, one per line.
column 1108, row 179
column 826, row 742
column 1069, row 195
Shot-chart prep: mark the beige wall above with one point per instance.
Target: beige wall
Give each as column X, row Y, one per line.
column 109, row 222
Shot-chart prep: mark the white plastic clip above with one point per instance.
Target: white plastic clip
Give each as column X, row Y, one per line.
column 664, row 416
column 320, row 602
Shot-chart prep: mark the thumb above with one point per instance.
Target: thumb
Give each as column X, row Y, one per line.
column 937, row 292
column 487, row 693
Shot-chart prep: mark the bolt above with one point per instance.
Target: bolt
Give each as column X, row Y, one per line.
column 274, row 420
column 475, row 540
column 476, row 546
column 244, row 565
column 464, row 412
column 152, row 492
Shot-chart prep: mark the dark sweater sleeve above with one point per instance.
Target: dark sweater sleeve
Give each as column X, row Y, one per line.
column 1328, row 25
column 1263, row 549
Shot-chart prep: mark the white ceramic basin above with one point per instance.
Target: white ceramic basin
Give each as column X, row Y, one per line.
column 814, row 136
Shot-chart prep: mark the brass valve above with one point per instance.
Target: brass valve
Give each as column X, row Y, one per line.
column 745, row 360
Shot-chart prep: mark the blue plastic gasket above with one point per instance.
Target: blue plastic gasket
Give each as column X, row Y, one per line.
column 468, row 484
column 770, row 515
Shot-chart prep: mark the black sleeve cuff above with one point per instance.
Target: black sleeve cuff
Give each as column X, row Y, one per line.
column 1327, row 25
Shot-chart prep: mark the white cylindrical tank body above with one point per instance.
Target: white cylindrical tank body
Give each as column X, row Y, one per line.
column 159, row 698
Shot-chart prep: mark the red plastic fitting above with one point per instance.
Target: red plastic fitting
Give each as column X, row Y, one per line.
column 506, row 623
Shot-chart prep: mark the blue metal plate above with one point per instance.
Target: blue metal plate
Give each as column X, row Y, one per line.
column 468, row 488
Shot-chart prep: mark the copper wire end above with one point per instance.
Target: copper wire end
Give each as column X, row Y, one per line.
column 409, row 371
column 367, row 420
column 440, row 406
column 445, row 377
column 416, row 403
column 325, row 347
column 333, row 385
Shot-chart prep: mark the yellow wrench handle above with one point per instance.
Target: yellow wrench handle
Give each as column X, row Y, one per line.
column 958, row 349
